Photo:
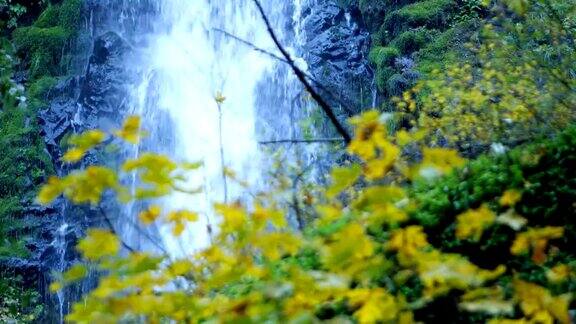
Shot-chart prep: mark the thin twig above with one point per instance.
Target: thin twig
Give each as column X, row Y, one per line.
column 295, row 201
column 305, row 141
column 222, row 159
column 138, row 229
column 249, row 44
column 302, row 77
column 113, row 230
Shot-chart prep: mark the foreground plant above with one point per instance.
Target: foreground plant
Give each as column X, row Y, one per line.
column 364, row 258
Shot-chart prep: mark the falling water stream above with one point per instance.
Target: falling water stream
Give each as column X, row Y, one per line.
column 190, row 58
column 183, row 55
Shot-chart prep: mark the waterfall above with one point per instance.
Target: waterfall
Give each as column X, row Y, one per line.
column 167, row 61
column 189, row 58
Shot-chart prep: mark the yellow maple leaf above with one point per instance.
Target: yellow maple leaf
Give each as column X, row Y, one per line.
column 538, row 303
column 379, row 167
column 558, row 273
column 536, row 239
column 178, row 228
column 370, row 134
column 438, row 161
column 343, row 178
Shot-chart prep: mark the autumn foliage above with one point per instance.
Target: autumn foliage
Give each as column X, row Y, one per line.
column 364, row 258
column 407, row 231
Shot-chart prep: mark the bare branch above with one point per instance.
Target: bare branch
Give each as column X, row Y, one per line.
column 140, row 231
column 249, row 44
column 302, row 77
column 280, row 59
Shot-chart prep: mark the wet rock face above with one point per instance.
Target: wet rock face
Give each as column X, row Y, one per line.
column 336, row 50
column 106, row 84
column 94, row 99
column 82, row 102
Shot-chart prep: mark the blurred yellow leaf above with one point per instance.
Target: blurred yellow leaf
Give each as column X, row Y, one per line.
column 343, row 178
column 150, row 215
column 130, row 131
column 471, row 224
column 98, row 244
column 510, row 198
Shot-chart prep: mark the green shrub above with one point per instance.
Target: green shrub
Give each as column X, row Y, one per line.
column 18, row 305
column 543, row 172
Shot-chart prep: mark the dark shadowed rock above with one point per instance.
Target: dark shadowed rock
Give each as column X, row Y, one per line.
column 106, row 83
column 336, row 47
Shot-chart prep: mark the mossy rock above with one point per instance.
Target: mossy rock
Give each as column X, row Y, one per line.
column 70, row 16
column 433, row 14
column 42, row 48
column 374, row 11
column 383, row 74
column 397, row 84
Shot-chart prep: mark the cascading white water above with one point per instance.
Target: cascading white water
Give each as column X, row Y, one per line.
column 188, row 61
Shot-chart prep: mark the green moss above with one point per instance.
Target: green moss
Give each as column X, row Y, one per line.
column 412, row 40
column 42, row 44
column 447, row 47
column 383, row 74
column 24, row 162
column 429, row 13
column 43, row 47
column 49, row 17
column 433, row 32
column 382, row 56
column 38, row 90
column 69, row 17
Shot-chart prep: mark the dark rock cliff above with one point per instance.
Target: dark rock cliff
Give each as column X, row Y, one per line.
column 93, row 96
